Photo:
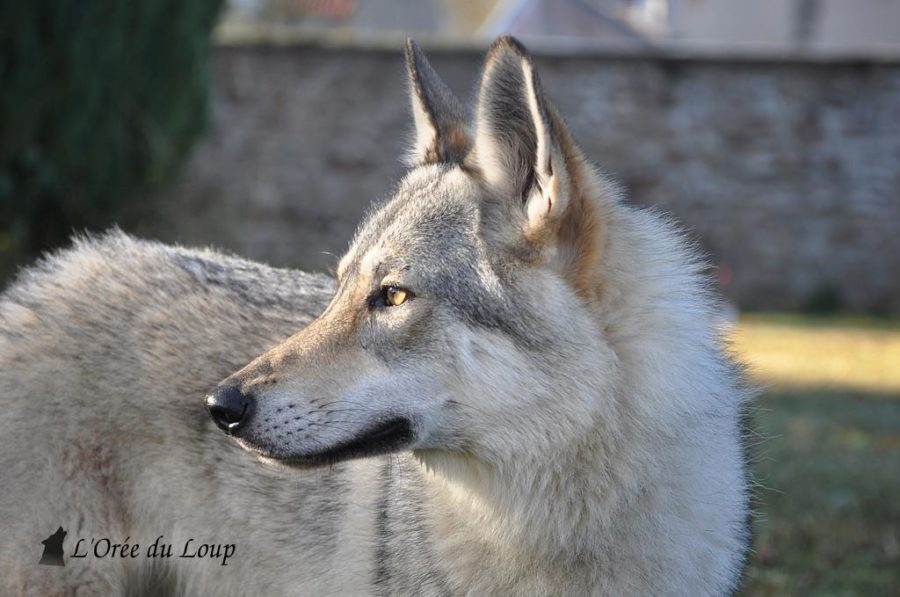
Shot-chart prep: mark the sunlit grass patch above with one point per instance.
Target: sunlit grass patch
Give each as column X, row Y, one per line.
column 796, row 352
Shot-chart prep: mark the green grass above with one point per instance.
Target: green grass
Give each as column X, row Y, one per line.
column 828, row 456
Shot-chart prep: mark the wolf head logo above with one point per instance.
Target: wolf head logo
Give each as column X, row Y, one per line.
column 53, row 549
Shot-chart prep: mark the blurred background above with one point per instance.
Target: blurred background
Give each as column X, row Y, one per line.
column 770, row 128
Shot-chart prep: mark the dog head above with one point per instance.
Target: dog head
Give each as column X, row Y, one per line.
column 464, row 321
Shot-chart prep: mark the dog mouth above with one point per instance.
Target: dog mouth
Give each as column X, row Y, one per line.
column 383, row 438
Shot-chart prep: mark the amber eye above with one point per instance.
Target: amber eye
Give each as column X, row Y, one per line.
column 394, row 296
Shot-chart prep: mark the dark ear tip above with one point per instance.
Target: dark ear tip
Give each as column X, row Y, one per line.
column 508, row 43
column 413, row 58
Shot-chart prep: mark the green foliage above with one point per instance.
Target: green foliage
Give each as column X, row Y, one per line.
column 99, row 102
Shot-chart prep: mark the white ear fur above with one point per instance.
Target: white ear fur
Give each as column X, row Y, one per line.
column 424, row 134
column 546, row 201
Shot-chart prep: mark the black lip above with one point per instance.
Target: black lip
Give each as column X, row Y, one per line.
column 384, row 438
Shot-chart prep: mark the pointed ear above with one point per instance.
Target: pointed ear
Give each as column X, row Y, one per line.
column 440, row 125
column 527, row 157
column 518, row 144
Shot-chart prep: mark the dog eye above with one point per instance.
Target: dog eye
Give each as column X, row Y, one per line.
column 394, row 296
column 389, row 296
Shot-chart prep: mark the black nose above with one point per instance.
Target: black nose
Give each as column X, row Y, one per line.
column 230, row 407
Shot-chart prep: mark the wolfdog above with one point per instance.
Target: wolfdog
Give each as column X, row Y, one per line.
column 514, row 385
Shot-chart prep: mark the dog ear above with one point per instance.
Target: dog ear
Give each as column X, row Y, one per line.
column 528, row 159
column 440, row 124
column 516, row 141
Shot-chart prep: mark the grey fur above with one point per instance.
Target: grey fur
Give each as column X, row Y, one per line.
column 573, row 424
column 433, row 100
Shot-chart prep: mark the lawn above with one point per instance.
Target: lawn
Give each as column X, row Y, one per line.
column 827, row 454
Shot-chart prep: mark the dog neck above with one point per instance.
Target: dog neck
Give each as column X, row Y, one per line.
column 559, row 509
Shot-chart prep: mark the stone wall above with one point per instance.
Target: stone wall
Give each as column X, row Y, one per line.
column 788, row 173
